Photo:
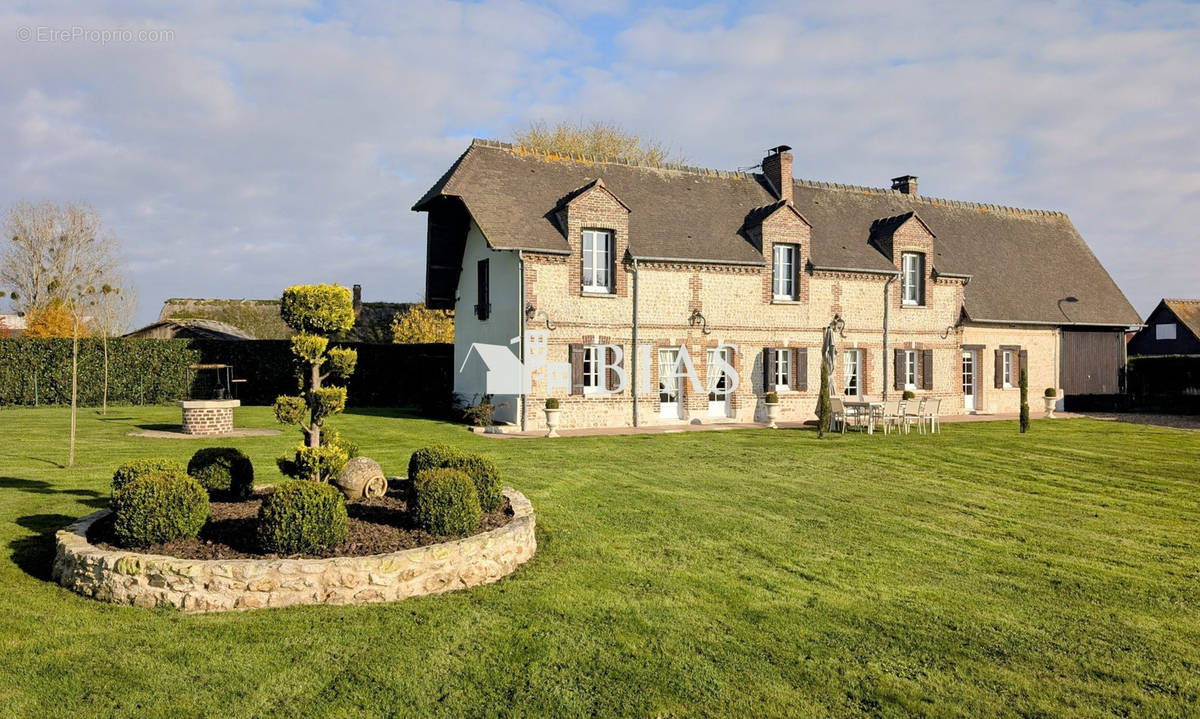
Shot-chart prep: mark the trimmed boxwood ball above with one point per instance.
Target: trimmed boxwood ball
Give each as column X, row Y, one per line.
column 302, row 517
column 446, row 502
column 484, row 475
column 134, row 468
column 158, row 507
column 432, row 457
column 223, row 471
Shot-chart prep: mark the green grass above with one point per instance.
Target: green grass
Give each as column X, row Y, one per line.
column 740, row 573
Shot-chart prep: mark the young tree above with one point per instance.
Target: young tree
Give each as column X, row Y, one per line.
column 419, row 325
column 112, row 313
column 600, row 139
column 1024, row 401
column 824, row 409
column 316, row 312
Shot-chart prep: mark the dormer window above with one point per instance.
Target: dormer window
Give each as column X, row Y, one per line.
column 786, row 279
column 597, row 261
column 912, row 279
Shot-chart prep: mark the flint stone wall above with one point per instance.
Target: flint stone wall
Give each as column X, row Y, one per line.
column 147, row 580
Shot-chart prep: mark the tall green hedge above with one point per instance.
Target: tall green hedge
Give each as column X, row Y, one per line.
column 151, row 371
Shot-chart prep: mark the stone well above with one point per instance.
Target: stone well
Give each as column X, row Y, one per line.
column 208, row 416
column 148, row 580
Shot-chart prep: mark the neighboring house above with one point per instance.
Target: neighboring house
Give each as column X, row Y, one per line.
column 259, row 319
column 189, row 329
column 947, row 299
column 1173, row 328
column 11, row 325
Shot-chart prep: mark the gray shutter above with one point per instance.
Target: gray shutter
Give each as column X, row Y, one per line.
column 927, row 369
column 768, row 369
column 999, row 369
column 899, row 367
column 1022, row 363
column 576, row 357
column 800, row 368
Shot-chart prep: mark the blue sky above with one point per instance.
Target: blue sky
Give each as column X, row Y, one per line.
column 266, row 144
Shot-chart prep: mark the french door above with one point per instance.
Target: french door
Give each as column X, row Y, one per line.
column 668, row 384
column 970, row 366
column 718, row 383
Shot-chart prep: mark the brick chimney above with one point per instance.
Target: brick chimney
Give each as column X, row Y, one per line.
column 777, row 167
column 357, row 299
column 906, row 184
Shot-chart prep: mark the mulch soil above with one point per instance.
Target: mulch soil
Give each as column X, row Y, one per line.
column 376, row 526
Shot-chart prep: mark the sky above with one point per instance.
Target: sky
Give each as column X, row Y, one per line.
column 236, row 148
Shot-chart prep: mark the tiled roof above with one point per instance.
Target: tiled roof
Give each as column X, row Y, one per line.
column 259, row 319
column 1188, row 312
column 1021, row 262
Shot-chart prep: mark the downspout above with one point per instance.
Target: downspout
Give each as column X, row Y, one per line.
column 521, row 326
column 887, row 305
column 634, row 349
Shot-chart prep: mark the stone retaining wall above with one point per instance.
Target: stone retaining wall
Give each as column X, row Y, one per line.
column 147, row 580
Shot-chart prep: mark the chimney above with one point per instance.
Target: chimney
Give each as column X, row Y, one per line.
column 777, row 167
column 906, row 184
column 357, row 299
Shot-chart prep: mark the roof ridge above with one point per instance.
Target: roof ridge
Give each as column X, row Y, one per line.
column 966, row 204
column 605, row 160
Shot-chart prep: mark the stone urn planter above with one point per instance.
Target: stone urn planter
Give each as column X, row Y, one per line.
column 772, row 410
column 1050, row 402
column 551, row 411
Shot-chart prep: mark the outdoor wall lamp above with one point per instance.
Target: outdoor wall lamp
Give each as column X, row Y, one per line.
column 838, row 325
column 697, row 317
column 531, row 312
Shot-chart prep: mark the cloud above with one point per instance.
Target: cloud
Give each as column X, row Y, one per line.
column 280, row 142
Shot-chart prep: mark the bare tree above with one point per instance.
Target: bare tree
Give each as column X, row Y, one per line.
column 600, row 139
column 112, row 312
column 57, row 254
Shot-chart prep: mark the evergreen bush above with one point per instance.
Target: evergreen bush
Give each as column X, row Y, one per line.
column 446, row 502
column 158, row 507
column 134, row 468
column 302, row 518
column 223, row 471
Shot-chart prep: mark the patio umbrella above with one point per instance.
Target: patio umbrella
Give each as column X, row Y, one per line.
column 828, row 353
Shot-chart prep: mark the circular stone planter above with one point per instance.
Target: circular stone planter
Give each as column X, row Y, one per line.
column 150, row 580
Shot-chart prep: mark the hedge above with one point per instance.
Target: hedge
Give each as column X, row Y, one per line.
column 154, row 371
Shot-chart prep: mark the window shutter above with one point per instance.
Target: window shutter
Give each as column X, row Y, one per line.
column 927, row 369
column 800, row 368
column 921, row 279
column 899, row 367
column 999, row 369
column 484, row 308
column 768, row 369
column 612, row 262
column 576, row 357
column 1023, row 363
column 796, row 273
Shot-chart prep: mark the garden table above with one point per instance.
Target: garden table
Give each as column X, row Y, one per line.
column 870, row 409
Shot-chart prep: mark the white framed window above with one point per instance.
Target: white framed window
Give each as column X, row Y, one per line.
column 783, row 369
column 593, row 356
column 911, row 278
column 785, row 277
column 1164, row 331
column 1006, row 371
column 597, row 261
column 668, row 383
column 910, row 369
column 852, row 373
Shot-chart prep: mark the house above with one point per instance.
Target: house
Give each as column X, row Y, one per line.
column 259, row 319
column 659, row 275
column 11, row 325
column 192, row 328
column 1173, row 328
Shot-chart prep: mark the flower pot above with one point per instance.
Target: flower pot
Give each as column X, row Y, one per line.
column 772, row 414
column 552, row 422
column 1050, row 402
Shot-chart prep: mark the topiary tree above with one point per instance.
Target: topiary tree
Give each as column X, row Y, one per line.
column 158, row 507
column 1024, row 401
column 302, row 517
column 824, row 410
column 315, row 312
column 226, row 472
column 140, row 467
column 445, row 502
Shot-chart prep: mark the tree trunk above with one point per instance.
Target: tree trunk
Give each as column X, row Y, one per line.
column 314, row 431
column 74, row 387
column 104, row 402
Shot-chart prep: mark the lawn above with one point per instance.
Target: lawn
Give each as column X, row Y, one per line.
column 740, row 573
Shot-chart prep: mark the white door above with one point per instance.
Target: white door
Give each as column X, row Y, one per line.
column 718, row 383
column 668, row 384
column 852, row 374
column 968, row 374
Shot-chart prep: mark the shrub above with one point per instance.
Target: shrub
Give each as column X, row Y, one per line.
column 909, row 394
column 1024, row 402
column 159, row 507
column 302, row 517
column 484, row 475
column 1051, row 392
column 319, row 464
column 482, row 414
column 552, row 403
column 771, row 398
column 223, row 471
column 446, row 502
column 140, row 467
column 431, row 457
